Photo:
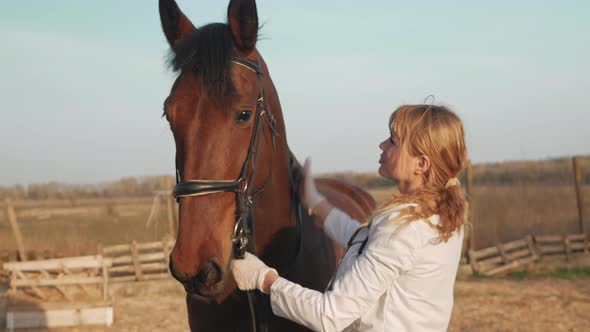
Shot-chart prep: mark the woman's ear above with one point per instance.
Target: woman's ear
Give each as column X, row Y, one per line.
column 423, row 165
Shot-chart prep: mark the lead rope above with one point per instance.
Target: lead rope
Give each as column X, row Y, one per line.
column 250, row 295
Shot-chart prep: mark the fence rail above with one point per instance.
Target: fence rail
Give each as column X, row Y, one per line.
column 14, row 255
column 138, row 261
column 503, row 257
column 59, row 273
column 562, row 244
column 507, row 257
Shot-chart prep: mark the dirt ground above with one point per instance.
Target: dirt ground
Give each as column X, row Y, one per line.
column 536, row 304
column 143, row 306
column 543, row 304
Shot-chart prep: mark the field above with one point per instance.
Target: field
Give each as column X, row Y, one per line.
column 536, row 304
column 507, row 213
column 504, row 213
column 500, row 213
column 69, row 228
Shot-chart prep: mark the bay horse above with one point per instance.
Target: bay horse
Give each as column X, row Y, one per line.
column 237, row 181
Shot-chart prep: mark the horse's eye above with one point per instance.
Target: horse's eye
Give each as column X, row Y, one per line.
column 243, row 116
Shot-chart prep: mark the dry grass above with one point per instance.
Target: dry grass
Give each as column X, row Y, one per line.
column 68, row 229
column 499, row 214
column 506, row 213
column 539, row 304
column 542, row 304
column 142, row 306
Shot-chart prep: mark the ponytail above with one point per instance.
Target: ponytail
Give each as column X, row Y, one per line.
column 435, row 132
column 447, row 202
column 452, row 209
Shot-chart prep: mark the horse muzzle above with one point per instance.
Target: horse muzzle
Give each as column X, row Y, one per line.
column 207, row 283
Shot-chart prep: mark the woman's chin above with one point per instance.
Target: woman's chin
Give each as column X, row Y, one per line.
column 383, row 172
column 380, row 170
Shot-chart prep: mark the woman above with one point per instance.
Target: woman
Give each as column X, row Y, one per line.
column 399, row 270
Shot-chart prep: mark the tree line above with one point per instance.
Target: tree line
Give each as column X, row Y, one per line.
column 557, row 171
column 547, row 172
column 125, row 187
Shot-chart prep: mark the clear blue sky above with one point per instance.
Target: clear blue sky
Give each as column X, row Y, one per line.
column 82, row 82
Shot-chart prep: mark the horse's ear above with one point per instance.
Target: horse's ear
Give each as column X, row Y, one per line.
column 175, row 25
column 242, row 17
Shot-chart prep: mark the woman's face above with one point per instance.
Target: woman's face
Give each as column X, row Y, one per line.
column 398, row 165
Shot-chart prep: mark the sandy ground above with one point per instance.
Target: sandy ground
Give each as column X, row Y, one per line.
column 537, row 304
column 142, row 306
column 543, row 304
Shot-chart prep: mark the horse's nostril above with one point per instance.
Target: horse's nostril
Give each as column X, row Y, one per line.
column 173, row 272
column 210, row 274
column 207, row 282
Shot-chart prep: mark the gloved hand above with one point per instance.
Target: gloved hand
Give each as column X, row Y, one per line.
column 249, row 272
column 311, row 195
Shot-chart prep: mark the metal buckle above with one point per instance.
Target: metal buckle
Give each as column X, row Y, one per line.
column 240, row 245
column 240, row 241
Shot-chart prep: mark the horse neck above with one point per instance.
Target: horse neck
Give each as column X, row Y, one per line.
column 274, row 205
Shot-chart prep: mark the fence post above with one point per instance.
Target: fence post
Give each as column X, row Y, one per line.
column 502, row 252
column 105, row 280
column 579, row 198
column 100, row 250
column 136, row 261
column 15, row 229
column 170, row 208
column 531, row 245
column 469, row 189
column 566, row 247
column 166, row 251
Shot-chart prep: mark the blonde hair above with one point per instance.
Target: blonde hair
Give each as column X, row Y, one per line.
column 437, row 133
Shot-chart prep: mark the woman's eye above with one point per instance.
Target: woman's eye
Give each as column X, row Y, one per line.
column 243, row 116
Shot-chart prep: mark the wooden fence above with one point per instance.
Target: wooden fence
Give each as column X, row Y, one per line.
column 580, row 199
column 562, row 245
column 60, row 274
column 507, row 257
column 503, row 257
column 138, row 261
column 14, row 255
column 8, row 255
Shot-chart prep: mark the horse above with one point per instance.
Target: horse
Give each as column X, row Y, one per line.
column 237, row 180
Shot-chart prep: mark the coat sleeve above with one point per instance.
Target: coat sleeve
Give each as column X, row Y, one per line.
column 339, row 226
column 388, row 254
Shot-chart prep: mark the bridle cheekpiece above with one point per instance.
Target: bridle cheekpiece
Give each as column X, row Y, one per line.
column 245, row 193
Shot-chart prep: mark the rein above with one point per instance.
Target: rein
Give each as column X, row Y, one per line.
column 243, row 233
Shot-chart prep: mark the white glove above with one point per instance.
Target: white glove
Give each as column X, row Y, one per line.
column 249, row 272
column 311, row 195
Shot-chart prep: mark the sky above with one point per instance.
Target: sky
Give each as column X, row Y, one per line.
column 82, row 83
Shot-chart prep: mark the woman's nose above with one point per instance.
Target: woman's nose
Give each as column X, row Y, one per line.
column 382, row 145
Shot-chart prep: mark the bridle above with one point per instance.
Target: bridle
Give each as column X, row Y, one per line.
column 243, row 232
column 245, row 193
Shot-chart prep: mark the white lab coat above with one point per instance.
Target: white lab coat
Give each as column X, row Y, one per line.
column 402, row 281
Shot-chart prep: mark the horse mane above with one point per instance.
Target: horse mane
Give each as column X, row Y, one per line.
column 206, row 53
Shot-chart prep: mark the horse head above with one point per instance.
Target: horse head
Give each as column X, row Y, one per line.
column 231, row 153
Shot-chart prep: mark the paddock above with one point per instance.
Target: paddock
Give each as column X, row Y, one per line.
column 529, row 295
